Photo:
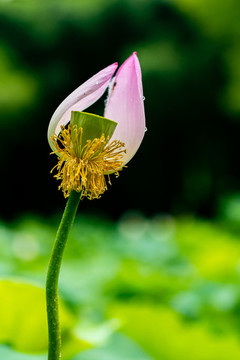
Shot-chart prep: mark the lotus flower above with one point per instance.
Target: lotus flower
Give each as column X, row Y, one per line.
column 123, row 122
column 124, row 103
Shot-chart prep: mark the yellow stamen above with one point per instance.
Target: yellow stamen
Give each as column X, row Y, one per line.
column 82, row 168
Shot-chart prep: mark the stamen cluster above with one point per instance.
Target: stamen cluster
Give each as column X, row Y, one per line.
column 82, row 167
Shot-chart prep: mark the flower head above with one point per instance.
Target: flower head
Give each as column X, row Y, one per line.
column 86, row 156
column 81, row 140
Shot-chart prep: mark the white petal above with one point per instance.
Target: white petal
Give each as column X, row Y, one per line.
column 80, row 99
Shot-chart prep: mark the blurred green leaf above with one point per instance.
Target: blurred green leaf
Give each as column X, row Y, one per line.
column 212, row 250
column 118, row 348
column 10, row 354
column 165, row 335
column 23, row 316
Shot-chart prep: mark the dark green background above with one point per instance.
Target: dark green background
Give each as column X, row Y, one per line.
column 189, row 52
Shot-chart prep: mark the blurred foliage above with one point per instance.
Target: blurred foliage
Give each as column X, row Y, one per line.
column 189, row 53
column 142, row 288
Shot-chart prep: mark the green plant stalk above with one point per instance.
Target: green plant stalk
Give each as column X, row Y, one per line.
column 54, row 332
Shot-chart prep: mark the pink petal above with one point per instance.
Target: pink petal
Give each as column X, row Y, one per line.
column 80, row 99
column 125, row 106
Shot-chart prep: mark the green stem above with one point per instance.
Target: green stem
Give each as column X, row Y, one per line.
column 54, row 333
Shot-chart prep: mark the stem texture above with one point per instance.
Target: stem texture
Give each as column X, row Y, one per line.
column 54, row 333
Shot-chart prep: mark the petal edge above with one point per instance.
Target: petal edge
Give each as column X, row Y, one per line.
column 125, row 106
column 80, row 99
